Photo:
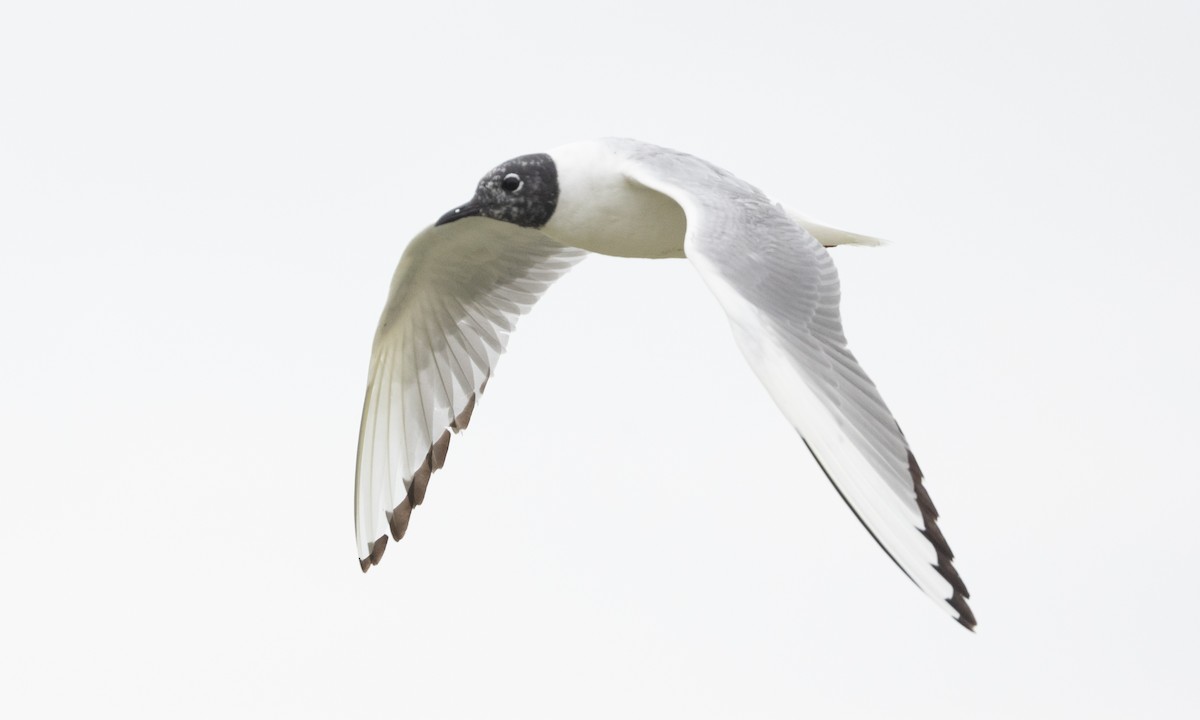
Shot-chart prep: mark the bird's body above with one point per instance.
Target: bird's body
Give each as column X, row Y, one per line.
column 462, row 284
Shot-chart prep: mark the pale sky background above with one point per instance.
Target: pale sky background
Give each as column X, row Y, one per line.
column 201, row 206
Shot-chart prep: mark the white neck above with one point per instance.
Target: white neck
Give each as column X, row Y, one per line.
column 600, row 209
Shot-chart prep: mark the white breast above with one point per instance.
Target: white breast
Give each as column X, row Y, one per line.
column 600, row 209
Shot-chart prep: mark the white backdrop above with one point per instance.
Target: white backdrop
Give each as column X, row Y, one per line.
column 200, row 209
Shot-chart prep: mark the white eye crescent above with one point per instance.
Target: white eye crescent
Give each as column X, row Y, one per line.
column 511, row 183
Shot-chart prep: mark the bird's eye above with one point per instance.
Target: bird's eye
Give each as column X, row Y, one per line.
column 511, row 182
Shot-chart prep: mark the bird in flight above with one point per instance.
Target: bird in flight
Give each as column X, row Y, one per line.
column 463, row 282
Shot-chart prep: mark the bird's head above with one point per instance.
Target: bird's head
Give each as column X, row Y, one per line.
column 522, row 191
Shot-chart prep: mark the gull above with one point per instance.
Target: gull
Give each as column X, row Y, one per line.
column 463, row 282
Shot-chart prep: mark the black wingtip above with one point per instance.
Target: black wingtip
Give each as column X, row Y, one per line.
column 966, row 618
column 374, row 553
column 464, row 418
column 398, row 519
column 399, row 516
column 945, row 565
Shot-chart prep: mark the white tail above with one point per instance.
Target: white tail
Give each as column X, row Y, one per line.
column 830, row 237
